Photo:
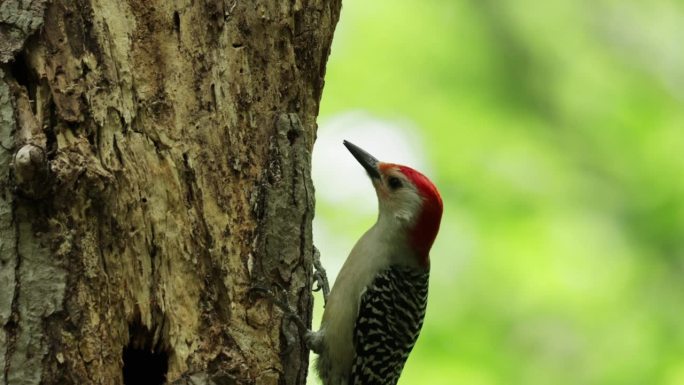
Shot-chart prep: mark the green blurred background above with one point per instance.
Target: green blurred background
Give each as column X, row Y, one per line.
column 554, row 131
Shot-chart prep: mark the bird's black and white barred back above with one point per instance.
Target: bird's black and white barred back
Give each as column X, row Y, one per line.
column 390, row 317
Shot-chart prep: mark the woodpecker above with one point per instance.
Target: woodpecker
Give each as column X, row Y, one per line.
column 376, row 307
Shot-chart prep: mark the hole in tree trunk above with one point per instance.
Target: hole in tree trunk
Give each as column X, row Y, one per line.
column 144, row 362
column 20, row 70
column 176, row 22
column 23, row 74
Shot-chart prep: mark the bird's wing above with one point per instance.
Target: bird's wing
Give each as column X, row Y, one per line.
column 390, row 317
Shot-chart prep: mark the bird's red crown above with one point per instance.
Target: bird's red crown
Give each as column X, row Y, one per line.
column 425, row 228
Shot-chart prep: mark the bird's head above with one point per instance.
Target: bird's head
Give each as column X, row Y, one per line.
column 407, row 200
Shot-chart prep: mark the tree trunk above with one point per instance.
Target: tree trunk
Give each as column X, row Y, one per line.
column 155, row 165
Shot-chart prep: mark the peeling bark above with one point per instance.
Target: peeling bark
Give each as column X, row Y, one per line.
column 154, row 165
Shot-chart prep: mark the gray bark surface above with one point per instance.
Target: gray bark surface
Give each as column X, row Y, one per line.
column 154, row 166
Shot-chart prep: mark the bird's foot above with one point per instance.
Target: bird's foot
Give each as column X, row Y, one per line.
column 320, row 276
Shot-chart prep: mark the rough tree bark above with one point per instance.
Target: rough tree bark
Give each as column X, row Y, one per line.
column 154, row 165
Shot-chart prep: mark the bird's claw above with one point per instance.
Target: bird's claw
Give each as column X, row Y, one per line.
column 320, row 277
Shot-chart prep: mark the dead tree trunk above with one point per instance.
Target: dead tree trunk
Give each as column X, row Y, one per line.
column 155, row 165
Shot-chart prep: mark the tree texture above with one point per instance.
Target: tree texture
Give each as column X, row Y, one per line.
column 155, row 166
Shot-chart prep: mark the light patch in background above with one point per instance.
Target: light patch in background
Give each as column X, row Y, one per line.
column 338, row 176
column 649, row 35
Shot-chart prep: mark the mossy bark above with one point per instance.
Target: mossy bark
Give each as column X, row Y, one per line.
column 154, row 166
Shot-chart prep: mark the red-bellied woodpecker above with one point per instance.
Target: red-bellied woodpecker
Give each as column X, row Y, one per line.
column 376, row 307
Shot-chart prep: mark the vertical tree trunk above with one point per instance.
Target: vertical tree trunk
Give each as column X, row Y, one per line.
column 155, row 165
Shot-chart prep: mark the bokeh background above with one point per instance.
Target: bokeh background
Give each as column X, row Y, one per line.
column 555, row 133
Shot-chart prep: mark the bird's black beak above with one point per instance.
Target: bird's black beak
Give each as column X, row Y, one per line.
column 367, row 160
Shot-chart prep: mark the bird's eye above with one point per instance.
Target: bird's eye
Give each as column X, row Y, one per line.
column 394, row 183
